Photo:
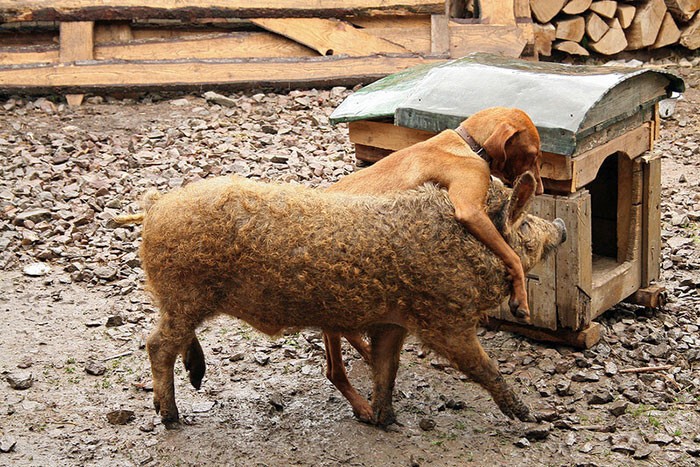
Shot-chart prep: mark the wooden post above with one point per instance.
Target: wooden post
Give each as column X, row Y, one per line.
column 651, row 219
column 574, row 262
column 77, row 43
column 440, row 32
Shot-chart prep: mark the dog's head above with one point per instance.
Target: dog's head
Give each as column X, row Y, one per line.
column 511, row 140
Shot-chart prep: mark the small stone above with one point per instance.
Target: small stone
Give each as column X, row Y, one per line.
column 114, row 321
column 642, row 452
column 202, row 407
column 25, row 362
column 180, row 102
column 217, row 98
column 455, row 405
column 539, row 432
column 660, row 439
column 95, row 368
column 34, row 215
column 563, row 387
column 148, row 427
column 36, row 269
column 105, row 272
column 618, row 408
column 120, row 417
column 600, row 398
column 7, row 443
column 522, row 443
column 20, row 380
column 427, row 424
column 610, row 369
column 262, row 359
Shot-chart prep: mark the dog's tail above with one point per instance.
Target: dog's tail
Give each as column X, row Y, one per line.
column 149, row 200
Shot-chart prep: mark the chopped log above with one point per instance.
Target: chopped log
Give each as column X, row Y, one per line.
column 668, row 33
column 625, row 14
column 328, row 36
column 571, row 29
column 690, row 36
column 571, row 47
column 544, row 36
column 497, row 12
column 545, row 10
column 612, row 42
column 605, row 8
column 595, row 26
column 91, row 10
column 576, row 7
column 683, row 10
column 646, row 24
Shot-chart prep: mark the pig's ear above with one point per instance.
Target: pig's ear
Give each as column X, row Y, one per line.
column 523, row 191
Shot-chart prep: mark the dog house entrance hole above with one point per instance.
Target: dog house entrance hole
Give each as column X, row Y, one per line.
column 604, row 197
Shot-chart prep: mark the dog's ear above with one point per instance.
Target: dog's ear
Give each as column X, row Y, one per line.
column 523, row 191
column 495, row 145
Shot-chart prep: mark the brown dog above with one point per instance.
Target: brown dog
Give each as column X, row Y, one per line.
column 497, row 141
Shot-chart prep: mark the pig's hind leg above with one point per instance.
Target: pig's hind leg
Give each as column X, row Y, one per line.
column 464, row 350
column 170, row 338
column 387, row 341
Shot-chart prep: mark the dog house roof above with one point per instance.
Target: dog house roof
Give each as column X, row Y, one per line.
column 566, row 102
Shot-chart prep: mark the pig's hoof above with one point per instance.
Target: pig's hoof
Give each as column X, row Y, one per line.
column 195, row 364
column 385, row 417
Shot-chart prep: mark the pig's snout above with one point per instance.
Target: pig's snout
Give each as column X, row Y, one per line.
column 561, row 227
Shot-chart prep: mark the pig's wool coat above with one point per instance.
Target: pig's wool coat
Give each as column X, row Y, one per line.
column 284, row 257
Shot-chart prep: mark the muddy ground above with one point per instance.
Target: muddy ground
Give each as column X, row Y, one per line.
column 75, row 380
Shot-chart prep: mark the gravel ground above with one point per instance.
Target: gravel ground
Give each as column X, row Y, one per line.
column 75, row 385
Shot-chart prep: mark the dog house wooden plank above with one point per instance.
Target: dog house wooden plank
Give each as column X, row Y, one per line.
column 541, row 280
column 584, row 339
column 385, row 135
column 81, row 10
column 573, row 257
column 651, row 220
column 328, row 36
column 633, row 144
column 194, row 74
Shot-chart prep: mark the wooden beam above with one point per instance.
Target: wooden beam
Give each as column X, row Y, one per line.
column 92, row 10
column 188, row 74
column 612, row 283
column 410, row 32
column 76, row 44
column 440, row 35
column 583, row 339
column 328, row 36
column 653, row 296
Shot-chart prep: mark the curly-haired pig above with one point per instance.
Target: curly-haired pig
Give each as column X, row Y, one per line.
column 283, row 257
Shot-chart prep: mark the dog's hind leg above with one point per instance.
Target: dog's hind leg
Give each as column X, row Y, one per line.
column 335, row 372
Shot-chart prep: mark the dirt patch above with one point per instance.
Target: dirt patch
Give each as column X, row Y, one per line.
column 75, row 334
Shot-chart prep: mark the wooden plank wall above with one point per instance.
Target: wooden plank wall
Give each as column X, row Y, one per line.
column 160, row 44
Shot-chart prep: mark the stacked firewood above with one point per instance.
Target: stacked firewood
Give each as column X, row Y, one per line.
column 581, row 27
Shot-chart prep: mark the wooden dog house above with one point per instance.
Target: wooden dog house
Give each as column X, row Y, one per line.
column 597, row 125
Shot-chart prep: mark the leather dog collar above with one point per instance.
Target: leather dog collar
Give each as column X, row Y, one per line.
column 476, row 147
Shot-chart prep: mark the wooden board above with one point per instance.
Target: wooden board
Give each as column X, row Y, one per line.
column 76, row 42
column 541, row 280
column 651, row 220
column 194, row 74
column 82, row 10
column 573, row 257
column 497, row 12
column 328, row 36
column 410, row 32
column 385, row 135
column 440, row 35
column 583, row 339
column 612, row 283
